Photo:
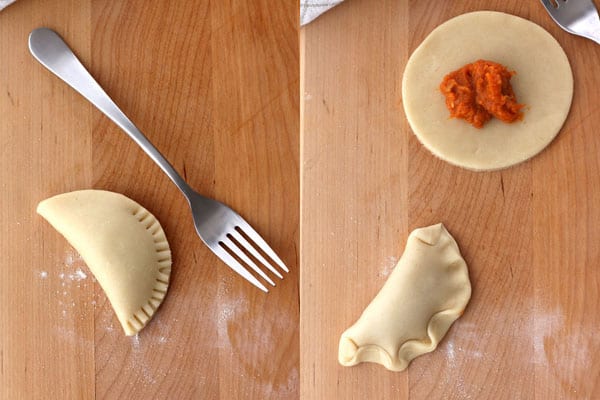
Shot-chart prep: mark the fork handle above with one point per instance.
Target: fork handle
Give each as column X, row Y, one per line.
column 54, row 54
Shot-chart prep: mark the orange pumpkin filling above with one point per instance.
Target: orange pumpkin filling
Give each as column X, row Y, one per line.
column 479, row 91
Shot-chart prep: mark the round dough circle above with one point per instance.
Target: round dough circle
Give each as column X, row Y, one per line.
column 544, row 83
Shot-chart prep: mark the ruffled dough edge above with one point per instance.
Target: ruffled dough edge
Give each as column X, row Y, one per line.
column 411, row 349
column 144, row 314
column 408, row 351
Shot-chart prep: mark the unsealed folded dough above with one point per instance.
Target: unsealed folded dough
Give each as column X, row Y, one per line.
column 425, row 293
column 123, row 245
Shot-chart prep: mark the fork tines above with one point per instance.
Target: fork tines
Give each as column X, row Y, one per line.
column 241, row 248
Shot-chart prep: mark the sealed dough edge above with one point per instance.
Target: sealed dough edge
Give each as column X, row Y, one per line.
column 426, row 292
column 123, row 245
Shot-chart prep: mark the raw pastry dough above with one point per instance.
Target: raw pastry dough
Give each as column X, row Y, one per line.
column 425, row 293
column 123, row 245
column 544, row 83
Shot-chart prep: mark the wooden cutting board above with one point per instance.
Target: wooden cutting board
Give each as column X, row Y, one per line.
column 529, row 233
column 215, row 86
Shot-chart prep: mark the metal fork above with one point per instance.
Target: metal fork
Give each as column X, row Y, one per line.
column 579, row 17
column 224, row 232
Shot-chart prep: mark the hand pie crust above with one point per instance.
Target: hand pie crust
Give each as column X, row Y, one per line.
column 123, row 245
column 426, row 292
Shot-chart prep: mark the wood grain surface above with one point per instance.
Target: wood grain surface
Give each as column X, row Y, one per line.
column 214, row 85
column 529, row 233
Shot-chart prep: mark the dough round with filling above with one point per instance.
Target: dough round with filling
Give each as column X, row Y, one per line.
column 543, row 82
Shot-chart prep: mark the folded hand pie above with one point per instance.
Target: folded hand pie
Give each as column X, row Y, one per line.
column 123, row 245
column 425, row 293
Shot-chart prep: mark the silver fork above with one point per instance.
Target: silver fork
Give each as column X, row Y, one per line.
column 579, row 17
column 224, row 232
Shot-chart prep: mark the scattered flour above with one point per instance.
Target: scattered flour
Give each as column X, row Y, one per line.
column 545, row 325
column 228, row 308
column 68, row 335
column 457, row 354
column 77, row 275
column 565, row 352
column 450, row 352
column 284, row 390
column 71, row 275
column 135, row 341
column 71, row 257
column 139, row 362
column 43, row 274
column 387, row 267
